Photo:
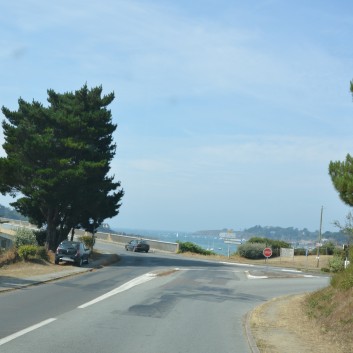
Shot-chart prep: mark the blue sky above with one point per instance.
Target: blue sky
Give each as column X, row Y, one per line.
column 228, row 112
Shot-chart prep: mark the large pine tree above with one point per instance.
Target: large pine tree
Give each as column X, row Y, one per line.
column 58, row 160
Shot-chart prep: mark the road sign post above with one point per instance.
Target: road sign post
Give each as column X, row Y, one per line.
column 267, row 252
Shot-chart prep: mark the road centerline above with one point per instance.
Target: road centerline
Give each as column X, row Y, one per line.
column 124, row 287
column 24, row 331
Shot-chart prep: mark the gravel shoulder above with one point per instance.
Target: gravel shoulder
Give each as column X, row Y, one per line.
column 282, row 326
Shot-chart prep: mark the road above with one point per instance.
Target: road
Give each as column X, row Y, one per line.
column 145, row 303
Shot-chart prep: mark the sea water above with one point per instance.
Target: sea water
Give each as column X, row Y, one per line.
column 207, row 242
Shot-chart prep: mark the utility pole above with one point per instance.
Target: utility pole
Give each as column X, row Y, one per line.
column 318, row 248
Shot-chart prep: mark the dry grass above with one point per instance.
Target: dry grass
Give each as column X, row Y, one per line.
column 281, row 325
column 332, row 310
column 8, row 257
column 34, row 267
column 304, row 263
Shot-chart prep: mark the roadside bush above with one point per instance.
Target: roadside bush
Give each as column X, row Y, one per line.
column 251, row 250
column 8, row 257
column 88, row 240
column 336, row 264
column 193, row 248
column 327, row 249
column 300, row 252
column 274, row 244
column 339, row 252
column 27, row 251
column 25, row 236
column 344, row 279
column 41, row 253
column 330, row 248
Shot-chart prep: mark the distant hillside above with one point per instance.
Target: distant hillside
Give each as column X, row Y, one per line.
column 286, row 234
column 7, row 212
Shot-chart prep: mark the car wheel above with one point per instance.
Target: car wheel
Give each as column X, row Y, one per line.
column 146, row 251
column 56, row 262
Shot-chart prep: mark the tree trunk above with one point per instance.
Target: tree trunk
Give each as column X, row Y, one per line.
column 50, row 242
column 51, row 233
column 72, row 233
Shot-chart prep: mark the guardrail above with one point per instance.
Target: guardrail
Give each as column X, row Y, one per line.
column 124, row 239
column 8, row 230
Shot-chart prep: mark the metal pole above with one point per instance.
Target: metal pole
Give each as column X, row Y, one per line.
column 318, row 248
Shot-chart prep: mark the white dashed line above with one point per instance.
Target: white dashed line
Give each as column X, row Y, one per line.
column 235, row 264
column 26, row 330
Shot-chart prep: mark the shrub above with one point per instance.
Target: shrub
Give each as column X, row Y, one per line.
column 193, row 248
column 27, row 251
column 339, row 252
column 336, row 264
column 325, row 269
column 343, row 279
column 275, row 245
column 251, row 250
column 41, row 253
column 88, row 240
column 25, row 236
column 330, row 248
column 8, row 257
column 300, row 251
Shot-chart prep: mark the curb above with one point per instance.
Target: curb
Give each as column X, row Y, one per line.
column 249, row 335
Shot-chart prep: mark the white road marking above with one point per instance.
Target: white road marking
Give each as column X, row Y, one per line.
column 23, row 332
column 235, row 264
column 288, row 270
column 254, row 277
column 208, row 270
column 134, row 282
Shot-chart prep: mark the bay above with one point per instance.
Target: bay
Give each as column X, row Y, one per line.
column 207, row 242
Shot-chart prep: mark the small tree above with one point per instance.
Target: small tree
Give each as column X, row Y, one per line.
column 347, row 227
column 347, row 230
column 25, row 236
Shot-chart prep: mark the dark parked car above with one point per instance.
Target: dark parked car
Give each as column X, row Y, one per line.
column 137, row 245
column 72, row 251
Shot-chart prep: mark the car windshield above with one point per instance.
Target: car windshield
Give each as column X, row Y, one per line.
column 67, row 244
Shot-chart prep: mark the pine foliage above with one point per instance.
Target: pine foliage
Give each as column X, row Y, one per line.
column 58, row 160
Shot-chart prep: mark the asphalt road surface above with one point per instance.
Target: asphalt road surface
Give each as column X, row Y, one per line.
column 146, row 303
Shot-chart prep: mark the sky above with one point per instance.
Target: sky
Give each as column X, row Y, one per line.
column 229, row 112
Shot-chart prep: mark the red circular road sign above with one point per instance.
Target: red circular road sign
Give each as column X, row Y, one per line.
column 267, row 252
